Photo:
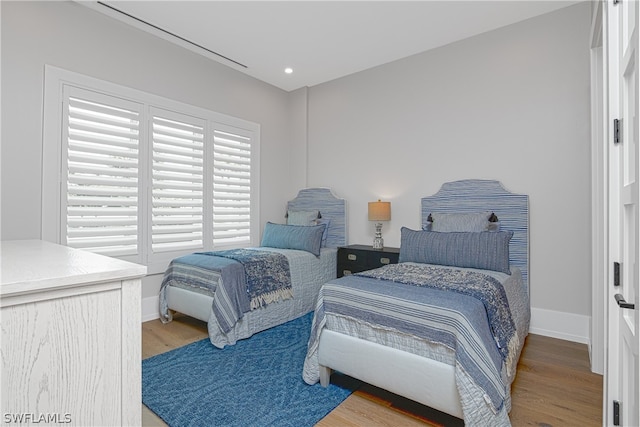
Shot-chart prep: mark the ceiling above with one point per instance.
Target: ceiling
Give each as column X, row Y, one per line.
column 319, row 40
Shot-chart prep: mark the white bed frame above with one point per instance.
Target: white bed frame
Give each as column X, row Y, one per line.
column 198, row 305
column 426, row 381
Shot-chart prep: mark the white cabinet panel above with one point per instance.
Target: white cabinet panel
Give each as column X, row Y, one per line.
column 70, row 348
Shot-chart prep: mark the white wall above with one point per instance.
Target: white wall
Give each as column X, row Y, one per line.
column 511, row 105
column 79, row 39
column 299, row 124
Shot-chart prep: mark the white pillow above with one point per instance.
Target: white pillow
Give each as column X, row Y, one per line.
column 460, row 222
column 302, row 217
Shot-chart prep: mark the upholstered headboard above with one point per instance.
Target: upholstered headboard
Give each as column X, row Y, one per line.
column 475, row 195
column 329, row 206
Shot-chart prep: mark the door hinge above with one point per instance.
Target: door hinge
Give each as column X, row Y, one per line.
column 616, row 274
column 617, row 124
column 616, row 413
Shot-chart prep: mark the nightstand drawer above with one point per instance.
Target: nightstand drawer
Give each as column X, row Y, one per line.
column 351, row 261
column 378, row 259
column 357, row 258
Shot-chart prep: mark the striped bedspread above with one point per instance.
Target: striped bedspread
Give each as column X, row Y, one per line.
column 422, row 308
column 240, row 279
column 481, row 286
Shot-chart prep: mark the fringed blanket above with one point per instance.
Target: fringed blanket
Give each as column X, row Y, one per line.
column 267, row 273
column 240, row 280
column 417, row 306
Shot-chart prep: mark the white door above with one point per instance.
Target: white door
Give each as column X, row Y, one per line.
column 622, row 398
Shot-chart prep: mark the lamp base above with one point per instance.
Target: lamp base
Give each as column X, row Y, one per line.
column 378, row 241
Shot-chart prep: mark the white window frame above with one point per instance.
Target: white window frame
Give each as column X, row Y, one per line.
column 52, row 161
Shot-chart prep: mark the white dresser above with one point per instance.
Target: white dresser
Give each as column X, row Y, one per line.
column 71, row 337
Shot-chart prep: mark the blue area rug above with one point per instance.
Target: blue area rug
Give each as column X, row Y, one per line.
column 257, row 382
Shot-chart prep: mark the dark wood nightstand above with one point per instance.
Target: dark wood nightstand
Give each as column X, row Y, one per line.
column 357, row 258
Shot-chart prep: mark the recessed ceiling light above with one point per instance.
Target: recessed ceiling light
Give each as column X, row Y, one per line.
column 288, row 70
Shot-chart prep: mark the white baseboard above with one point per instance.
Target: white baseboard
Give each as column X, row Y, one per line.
column 150, row 308
column 556, row 324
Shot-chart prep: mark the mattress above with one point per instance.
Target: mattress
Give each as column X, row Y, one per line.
column 518, row 302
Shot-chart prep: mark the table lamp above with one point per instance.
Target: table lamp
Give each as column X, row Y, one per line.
column 379, row 211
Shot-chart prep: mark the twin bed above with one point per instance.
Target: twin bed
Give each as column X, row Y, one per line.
column 443, row 327
column 446, row 325
column 192, row 288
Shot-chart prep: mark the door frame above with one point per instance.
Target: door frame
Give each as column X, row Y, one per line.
column 615, row 374
column 599, row 192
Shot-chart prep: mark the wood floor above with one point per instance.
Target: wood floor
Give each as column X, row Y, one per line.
column 554, row 386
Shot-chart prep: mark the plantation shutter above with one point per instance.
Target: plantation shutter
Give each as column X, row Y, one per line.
column 102, row 136
column 144, row 178
column 231, row 187
column 177, row 182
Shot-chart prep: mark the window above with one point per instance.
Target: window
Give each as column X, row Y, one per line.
column 177, row 175
column 144, row 178
column 100, row 170
column 231, row 188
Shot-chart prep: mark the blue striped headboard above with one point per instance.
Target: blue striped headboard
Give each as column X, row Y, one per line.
column 330, row 207
column 476, row 195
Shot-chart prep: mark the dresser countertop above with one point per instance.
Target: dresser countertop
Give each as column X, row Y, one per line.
column 28, row 266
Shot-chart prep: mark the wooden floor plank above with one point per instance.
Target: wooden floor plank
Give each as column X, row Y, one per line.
column 554, row 386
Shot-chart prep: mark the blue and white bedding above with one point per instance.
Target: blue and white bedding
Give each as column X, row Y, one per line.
column 241, row 280
column 316, row 226
column 411, row 307
column 307, row 271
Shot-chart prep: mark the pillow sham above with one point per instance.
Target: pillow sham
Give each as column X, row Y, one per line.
column 283, row 236
column 460, row 222
column 485, row 250
column 493, row 226
column 302, row 217
column 326, row 222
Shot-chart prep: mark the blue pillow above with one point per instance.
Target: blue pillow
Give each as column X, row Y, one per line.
column 301, row 237
column 484, row 250
column 325, row 233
